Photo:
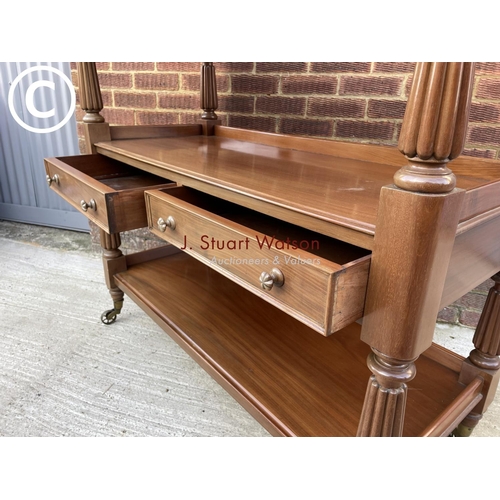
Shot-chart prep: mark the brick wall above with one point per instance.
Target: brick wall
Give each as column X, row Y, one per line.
column 358, row 102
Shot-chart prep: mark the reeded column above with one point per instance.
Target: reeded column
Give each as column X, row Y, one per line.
column 484, row 360
column 435, row 125
column 208, row 93
column 487, row 336
column 415, row 231
column 385, row 400
column 90, row 92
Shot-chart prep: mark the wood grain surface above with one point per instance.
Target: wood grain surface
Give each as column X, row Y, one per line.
column 292, row 380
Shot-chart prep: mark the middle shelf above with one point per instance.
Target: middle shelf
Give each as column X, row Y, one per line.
column 292, row 380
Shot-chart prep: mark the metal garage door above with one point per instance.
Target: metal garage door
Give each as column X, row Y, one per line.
column 37, row 120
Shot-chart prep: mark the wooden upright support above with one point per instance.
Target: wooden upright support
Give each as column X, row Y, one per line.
column 484, row 360
column 208, row 98
column 415, row 231
column 95, row 128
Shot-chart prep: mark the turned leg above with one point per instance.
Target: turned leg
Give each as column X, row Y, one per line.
column 114, row 262
column 385, row 400
column 484, row 360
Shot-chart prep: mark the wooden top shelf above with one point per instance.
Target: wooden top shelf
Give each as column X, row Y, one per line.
column 334, row 191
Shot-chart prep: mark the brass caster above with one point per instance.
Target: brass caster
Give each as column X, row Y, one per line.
column 462, row 431
column 109, row 317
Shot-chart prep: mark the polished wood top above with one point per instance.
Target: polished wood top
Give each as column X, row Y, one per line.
column 339, row 190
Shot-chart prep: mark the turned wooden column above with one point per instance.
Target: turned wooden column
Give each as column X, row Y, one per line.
column 113, row 262
column 484, row 360
column 89, row 91
column 415, row 231
column 208, row 98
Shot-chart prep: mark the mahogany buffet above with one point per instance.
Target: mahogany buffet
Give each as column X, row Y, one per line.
column 306, row 275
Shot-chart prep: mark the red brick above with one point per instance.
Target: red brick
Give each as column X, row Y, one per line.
column 118, row 116
column 408, row 85
column 234, row 67
column 181, row 67
column 483, row 68
column 370, row 85
column 156, row 118
column 469, row 318
column 115, row 80
column 156, row 81
column 103, row 66
column 254, row 84
column 341, row 67
column 182, row 101
column 365, row 130
column 472, row 301
column 383, row 108
column 281, row 67
column 485, row 286
column 135, row 100
column 262, row 123
column 187, row 118
column 79, row 114
column 394, row 67
column 480, row 153
column 72, row 65
column 488, row 88
column 133, row 66
column 192, row 82
column 484, row 112
column 278, row 105
column 309, row 85
column 484, row 135
column 236, row 103
column 336, row 107
column 448, row 315
column 107, row 98
column 301, row 126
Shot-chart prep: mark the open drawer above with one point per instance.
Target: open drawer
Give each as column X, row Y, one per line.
column 316, row 279
column 108, row 192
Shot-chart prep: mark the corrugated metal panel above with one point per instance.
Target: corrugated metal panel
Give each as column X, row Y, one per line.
column 24, row 194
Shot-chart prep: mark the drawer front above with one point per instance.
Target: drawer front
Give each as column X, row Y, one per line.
column 295, row 280
column 107, row 192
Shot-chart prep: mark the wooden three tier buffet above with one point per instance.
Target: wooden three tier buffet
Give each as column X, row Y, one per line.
column 290, row 261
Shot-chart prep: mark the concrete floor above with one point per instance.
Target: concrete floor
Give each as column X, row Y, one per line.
column 64, row 373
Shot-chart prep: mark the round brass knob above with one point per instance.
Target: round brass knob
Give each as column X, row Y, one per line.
column 91, row 204
column 163, row 224
column 50, row 180
column 268, row 280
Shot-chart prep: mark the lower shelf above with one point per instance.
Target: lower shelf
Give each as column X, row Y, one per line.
column 294, row 381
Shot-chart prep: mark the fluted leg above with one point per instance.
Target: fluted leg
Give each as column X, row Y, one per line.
column 484, row 360
column 113, row 262
column 385, row 400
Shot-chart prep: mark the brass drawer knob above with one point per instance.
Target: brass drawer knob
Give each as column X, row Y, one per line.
column 50, row 180
column 163, row 224
column 91, row 204
column 267, row 281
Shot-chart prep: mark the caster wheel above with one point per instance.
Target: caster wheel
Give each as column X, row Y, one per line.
column 108, row 317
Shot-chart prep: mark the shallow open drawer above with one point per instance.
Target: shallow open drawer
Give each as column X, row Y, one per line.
column 108, row 192
column 316, row 279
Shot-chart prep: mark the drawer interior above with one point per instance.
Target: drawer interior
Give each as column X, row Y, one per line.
column 112, row 173
column 282, row 235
